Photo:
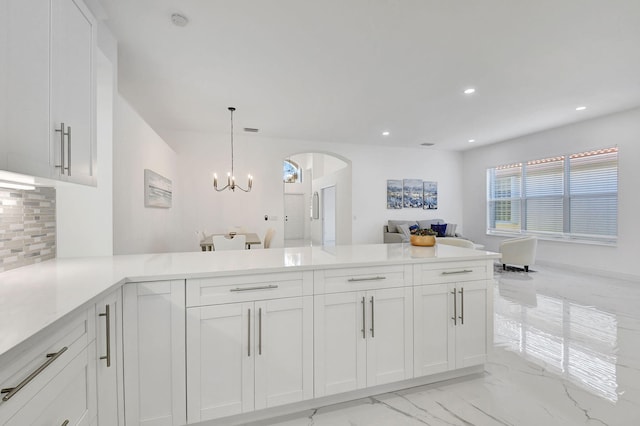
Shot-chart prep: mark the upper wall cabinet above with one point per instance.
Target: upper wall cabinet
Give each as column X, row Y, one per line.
column 47, row 90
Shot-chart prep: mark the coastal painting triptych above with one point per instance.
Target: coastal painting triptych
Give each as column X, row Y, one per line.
column 412, row 194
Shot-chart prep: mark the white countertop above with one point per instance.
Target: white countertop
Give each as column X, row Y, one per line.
column 33, row 297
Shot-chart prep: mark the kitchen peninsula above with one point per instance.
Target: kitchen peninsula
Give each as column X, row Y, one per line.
column 255, row 333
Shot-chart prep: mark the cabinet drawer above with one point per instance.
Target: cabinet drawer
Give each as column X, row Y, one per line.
column 353, row 279
column 30, row 370
column 66, row 398
column 213, row 291
column 451, row 272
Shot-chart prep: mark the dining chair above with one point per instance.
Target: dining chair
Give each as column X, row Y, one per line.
column 220, row 242
column 268, row 237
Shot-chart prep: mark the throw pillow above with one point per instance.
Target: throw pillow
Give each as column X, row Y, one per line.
column 426, row 224
column 404, row 230
column 413, row 229
column 393, row 224
column 440, row 229
column 451, row 230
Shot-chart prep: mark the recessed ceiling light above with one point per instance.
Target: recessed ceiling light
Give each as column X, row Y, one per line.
column 581, row 108
column 385, row 133
column 469, row 91
column 472, row 140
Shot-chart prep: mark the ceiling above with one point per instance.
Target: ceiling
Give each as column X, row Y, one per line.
column 345, row 71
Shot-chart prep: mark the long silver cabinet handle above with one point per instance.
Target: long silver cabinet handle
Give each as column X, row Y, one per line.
column 62, row 134
column 68, row 150
column 455, row 308
column 373, row 327
column 464, row 271
column 248, row 332
column 10, row 392
column 107, row 315
column 260, row 331
column 377, row 278
column 262, row 287
column 364, row 319
column 461, row 292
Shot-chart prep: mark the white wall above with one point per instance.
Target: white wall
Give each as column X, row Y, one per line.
column 623, row 130
column 136, row 146
column 199, row 155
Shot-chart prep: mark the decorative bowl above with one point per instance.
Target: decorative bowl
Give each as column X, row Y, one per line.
column 423, row 240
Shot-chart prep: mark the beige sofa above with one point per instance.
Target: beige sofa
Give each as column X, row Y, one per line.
column 391, row 235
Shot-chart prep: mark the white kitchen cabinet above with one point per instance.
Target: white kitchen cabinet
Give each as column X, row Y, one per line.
column 73, row 77
column 362, row 339
column 109, row 370
column 47, row 78
column 53, row 379
column 68, row 399
column 154, row 353
column 249, row 355
column 450, row 324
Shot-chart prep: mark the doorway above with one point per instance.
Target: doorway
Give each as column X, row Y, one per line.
column 329, row 216
column 293, row 220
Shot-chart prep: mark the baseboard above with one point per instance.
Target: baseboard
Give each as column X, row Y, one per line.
column 312, row 404
column 587, row 270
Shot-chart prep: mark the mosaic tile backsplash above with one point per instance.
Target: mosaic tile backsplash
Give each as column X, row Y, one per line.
column 27, row 227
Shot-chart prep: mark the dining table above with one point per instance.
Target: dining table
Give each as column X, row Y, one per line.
column 252, row 238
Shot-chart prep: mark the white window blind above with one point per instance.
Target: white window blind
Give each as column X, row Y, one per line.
column 544, row 195
column 572, row 196
column 593, row 194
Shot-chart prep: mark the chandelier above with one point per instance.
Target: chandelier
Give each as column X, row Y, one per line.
column 231, row 179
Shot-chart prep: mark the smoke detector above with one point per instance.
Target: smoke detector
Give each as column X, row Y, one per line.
column 179, row 20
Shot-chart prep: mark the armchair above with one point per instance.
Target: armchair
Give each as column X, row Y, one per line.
column 519, row 251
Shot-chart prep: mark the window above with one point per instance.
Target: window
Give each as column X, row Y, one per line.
column 571, row 196
column 291, row 172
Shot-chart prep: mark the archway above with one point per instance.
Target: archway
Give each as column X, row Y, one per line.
column 306, row 218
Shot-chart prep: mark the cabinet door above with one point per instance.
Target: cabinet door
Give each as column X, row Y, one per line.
column 68, row 397
column 434, row 350
column 284, row 351
column 109, row 360
column 339, row 343
column 220, row 360
column 154, row 353
column 390, row 335
column 471, row 330
column 24, row 87
column 72, row 89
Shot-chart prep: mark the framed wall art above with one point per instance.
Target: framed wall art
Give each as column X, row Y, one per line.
column 157, row 190
column 412, row 193
column 430, row 195
column 394, row 194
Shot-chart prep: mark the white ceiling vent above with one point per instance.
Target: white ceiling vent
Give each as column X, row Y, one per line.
column 179, row 20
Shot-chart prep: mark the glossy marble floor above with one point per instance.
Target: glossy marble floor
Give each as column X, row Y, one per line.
column 566, row 352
